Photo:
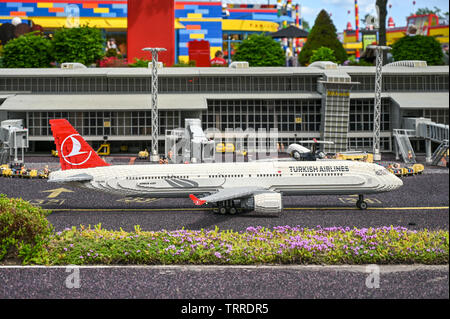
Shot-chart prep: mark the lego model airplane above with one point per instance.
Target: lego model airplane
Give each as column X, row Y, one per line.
column 257, row 186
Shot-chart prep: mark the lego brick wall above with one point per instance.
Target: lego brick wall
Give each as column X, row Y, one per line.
column 151, row 24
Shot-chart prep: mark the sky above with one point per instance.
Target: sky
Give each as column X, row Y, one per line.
column 339, row 9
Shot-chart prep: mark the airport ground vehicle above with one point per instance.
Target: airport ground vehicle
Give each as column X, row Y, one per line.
column 355, row 156
column 143, row 154
column 104, row 149
column 225, row 148
column 397, row 170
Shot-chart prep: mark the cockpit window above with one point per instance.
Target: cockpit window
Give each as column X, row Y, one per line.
column 382, row 172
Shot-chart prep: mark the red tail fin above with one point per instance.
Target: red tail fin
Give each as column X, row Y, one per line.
column 73, row 151
column 196, row 200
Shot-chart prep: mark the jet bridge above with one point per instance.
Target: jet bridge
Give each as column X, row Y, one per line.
column 13, row 141
column 189, row 144
column 421, row 128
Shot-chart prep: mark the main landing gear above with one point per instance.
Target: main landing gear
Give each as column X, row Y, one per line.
column 361, row 204
column 226, row 207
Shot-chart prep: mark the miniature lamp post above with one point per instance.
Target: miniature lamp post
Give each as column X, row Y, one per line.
column 154, row 156
column 377, row 109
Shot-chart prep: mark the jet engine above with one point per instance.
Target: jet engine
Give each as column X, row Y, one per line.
column 267, row 203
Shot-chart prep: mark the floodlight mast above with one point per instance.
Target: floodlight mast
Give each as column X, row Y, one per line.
column 377, row 107
column 154, row 155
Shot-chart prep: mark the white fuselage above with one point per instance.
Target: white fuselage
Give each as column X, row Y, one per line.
column 287, row 177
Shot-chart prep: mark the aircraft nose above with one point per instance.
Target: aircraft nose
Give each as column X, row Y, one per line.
column 396, row 182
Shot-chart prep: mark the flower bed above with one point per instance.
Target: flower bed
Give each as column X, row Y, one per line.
column 27, row 237
column 280, row 245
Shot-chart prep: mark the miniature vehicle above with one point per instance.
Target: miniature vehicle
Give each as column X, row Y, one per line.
column 418, row 168
column 257, row 186
column 43, row 174
column 242, row 152
column 32, row 173
column 104, row 149
column 355, row 156
column 397, row 170
column 7, row 172
column 2, row 168
column 301, row 153
column 225, row 148
column 16, row 172
column 143, row 154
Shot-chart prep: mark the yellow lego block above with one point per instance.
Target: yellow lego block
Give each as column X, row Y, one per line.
column 101, row 10
column 183, row 58
column 196, row 36
column 194, row 15
column 45, row 5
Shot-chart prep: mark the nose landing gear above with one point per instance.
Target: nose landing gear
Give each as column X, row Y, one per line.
column 361, row 204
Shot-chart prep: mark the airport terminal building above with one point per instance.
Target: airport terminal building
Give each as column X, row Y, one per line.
column 328, row 103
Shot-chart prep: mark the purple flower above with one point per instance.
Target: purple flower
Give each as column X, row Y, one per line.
column 218, row 255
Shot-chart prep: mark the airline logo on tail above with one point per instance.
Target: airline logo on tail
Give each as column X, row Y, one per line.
column 73, row 151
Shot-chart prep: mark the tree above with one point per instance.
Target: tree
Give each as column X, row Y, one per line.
column 322, row 34
column 441, row 15
column 382, row 13
column 84, row 45
column 305, row 25
column 435, row 10
column 260, row 50
column 323, row 54
column 418, row 47
column 27, row 51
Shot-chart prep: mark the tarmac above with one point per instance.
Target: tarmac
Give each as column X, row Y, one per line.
column 421, row 203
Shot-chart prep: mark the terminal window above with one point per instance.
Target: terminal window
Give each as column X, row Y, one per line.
column 129, row 123
column 287, row 115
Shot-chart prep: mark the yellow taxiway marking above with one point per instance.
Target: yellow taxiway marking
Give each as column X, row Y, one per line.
column 369, row 208
column 206, row 208
column 56, row 192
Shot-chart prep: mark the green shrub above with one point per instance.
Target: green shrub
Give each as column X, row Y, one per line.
column 260, row 50
column 322, row 34
column 323, row 54
column 27, row 51
column 140, row 63
column 24, row 231
column 190, row 64
column 1, row 57
column 418, row 47
column 83, row 45
column 111, row 53
column 352, row 61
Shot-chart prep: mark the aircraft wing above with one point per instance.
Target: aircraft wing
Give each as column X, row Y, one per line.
column 227, row 194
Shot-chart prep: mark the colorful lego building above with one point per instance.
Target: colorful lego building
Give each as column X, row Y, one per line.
column 221, row 25
column 428, row 25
